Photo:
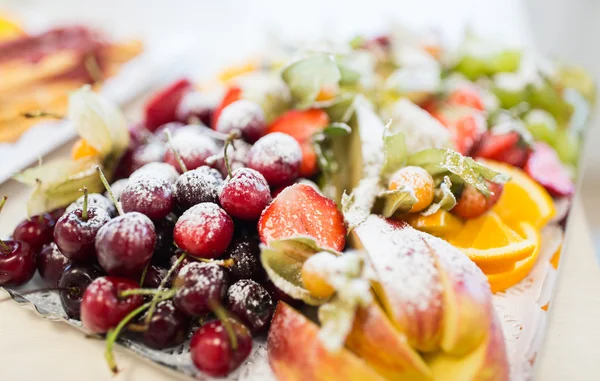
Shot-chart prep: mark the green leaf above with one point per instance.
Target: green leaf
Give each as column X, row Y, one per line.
column 337, row 129
column 394, row 150
column 283, row 260
column 308, row 76
column 341, row 109
column 444, row 198
column 400, row 200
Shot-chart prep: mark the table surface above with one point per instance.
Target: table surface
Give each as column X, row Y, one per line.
column 33, row 348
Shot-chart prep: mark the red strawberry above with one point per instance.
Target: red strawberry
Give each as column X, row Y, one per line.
column 162, row 107
column 472, row 203
column 545, row 167
column 299, row 210
column 502, row 147
column 302, row 125
column 465, row 126
column 233, row 94
column 466, row 97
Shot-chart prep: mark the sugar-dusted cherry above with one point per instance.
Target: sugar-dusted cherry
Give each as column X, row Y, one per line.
column 157, row 169
column 277, row 157
column 245, row 253
column 245, row 194
column 251, row 303
column 197, row 186
column 204, row 230
column 73, row 282
column 193, row 148
column 51, row 264
column 168, row 326
column 148, row 194
column 244, row 116
column 97, row 200
column 200, row 285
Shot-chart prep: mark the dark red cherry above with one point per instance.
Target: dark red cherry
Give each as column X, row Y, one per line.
column 125, row 244
column 51, row 264
column 73, row 283
column 277, row 157
column 147, row 153
column 204, row 230
column 197, row 186
column 245, row 195
column 167, row 328
column 251, row 303
column 103, row 307
column 245, row 254
column 154, row 276
column 97, row 200
column 244, row 116
column 36, row 231
column 199, row 285
column 148, row 194
column 156, row 169
column 211, row 348
column 193, row 148
column 164, row 248
column 17, row 263
column 75, row 235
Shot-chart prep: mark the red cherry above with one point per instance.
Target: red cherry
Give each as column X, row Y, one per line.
column 17, row 263
column 197, row 186
column 277, row 157
column 167, row 328
column 193, row 148
column 246, row 194
column 73, row 283
column 211, row 348
column 199, row 105
column 51, row 264
column 147, row 153
column 148, row 194
column 36, row 231
column 200, row 284
column 75, row 235
column 251, row 303
column 244, row 116
column 204, row 230
column 102, row 307
column 233, row 94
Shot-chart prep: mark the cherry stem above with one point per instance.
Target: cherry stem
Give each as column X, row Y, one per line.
column 41, row 114
column 84, row 209
column 113, row 334
column 223, row 316
column 3, row 245
column 163, row 282
column 139, row 291
column 143, row 277
column 175, row 152
column 219, row 262
column 137, row 327
column 109, row 190
column 235, row 134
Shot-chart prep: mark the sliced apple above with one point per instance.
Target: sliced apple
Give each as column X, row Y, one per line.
column 374, row 338
column 296, row 353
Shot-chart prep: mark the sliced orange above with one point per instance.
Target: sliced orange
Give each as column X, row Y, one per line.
column 440, row 224
column 504, row 280
column 523, row 199
column 489, row 242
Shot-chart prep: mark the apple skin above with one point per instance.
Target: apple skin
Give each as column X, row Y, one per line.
column 296, row 353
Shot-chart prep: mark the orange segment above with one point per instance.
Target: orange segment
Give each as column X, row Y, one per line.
column 439, row 224
column 82, row 149
column 502, row 281
column 523, row 199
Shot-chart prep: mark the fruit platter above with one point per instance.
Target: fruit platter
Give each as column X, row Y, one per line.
column 385, row 209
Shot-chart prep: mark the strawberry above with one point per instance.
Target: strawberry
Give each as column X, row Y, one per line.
column 465, row 126
column 302, row 125
column 466, row 97
column 502, row 147
column 162, row 107
column 299, row 210
column 233, row 94
column 472, row 203
column 545, row 167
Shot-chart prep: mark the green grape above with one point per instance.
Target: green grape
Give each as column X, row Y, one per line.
column 474, row 67
column 548, row 98
column 542, row 126
column 567, row 146
column 509, row 98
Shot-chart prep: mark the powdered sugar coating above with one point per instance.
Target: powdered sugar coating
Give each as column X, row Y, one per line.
column 193, row 148
column 201, row 284
column 277, row 156
column 245, row 253
column 198, row 104
column 148, row 194
column 157, row 169
column 250, row 302
column 198, row 185
column 148, row 153
column 246, row 194
column 94, row 199
column 244, row 116
column 117, row 188
column 204, row 230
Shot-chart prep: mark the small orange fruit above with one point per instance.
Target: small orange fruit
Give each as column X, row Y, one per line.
column 82, row 149
column 419, row 180
column 314, row 273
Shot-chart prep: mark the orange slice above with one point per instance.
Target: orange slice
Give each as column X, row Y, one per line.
column 489, row 242
column 504, row 280
column 439, row 224
column 523, row 199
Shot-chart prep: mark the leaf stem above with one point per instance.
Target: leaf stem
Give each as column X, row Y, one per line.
column 175, row 152
column 109, row 190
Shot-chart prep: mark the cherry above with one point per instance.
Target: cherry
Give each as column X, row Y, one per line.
column 17, row 263
column 212, row 350
column 75, row 232
column 57, row 213
column 125, row 244
column 246, row 194
column 36, row 231
column 147, row 153
column 167, row 327
column 193, row 148
column 236, row 156
column 117, row 188
column 51, row 264
column 163, row 170
column 245, row 253
column 244, row 116
column 199, row 286
column 204, row 230
column 277, row 157
column 172, row 127
column 197, row 105
column 73, row 282
column 198, row 185
column 164, row 248
column 251, row 303
column 154, row 276
column 148, row 194
column 97, row 200
column 103, row 306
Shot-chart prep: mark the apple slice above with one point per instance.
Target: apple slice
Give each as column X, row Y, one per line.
column 374, row 338
column 296, row 353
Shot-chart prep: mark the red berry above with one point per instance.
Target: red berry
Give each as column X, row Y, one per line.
column 503, row 147
column 211, row 348
column 466, row 97
column 277, row 157
column 197, row 186
column 162, row 107
column 472, row 203
column 36, row 231
column 147, row 153
column 154, row 276
column 251, row 303
column 204, row 230
column 200, row 285
column 236, row 156
column 125, row 244
column 97, row 200
column 75, row 236
column 244, row 116
column 233, row 94
column 162, row 170
column 245, row 253
column 193, row 148
column 73, row 283
column 545, row 167
column 150, row 195
column 167, row 328
column 17, row 263
column 51, row 264
column 246, row 194
column 102, row 307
